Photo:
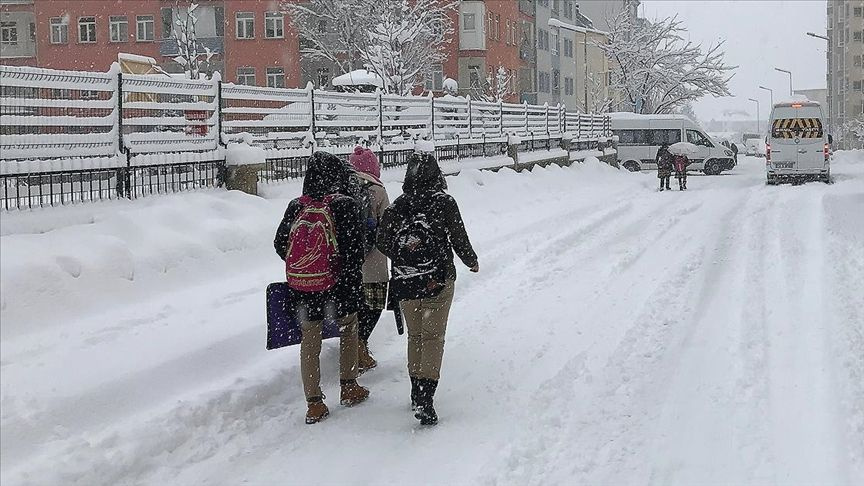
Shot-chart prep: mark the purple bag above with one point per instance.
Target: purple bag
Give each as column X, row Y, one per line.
column 283, row 327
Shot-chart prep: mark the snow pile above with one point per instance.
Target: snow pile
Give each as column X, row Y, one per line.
column 244, row 154
column 359, row 77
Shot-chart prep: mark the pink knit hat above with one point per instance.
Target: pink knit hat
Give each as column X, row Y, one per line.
column 364, row 160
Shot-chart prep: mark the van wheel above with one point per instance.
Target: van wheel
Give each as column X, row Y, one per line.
column 713, row 167
column 632, row 166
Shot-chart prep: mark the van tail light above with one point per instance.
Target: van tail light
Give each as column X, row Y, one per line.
column 768, row 153
column 827, row 151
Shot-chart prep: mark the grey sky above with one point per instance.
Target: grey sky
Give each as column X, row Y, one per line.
column 759, row 36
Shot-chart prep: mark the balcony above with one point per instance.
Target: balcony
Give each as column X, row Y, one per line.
column 168, row 47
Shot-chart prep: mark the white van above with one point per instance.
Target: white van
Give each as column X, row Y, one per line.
column 798, row 146
column 639, row 137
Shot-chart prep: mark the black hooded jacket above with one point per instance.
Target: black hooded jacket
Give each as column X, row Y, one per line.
column 326, row 174
column 423, row 190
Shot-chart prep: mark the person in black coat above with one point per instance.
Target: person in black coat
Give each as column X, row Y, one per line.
column 664, row 165
column 419, row 233
column 327, row 175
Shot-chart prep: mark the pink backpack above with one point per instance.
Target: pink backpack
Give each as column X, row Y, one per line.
column 313, row 253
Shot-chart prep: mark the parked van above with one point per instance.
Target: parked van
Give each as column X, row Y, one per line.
column 639, row 137
column 798, row 145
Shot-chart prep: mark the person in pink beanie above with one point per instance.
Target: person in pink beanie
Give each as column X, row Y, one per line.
column 375, row 274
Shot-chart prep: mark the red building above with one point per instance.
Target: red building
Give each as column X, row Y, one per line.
column 251, row 40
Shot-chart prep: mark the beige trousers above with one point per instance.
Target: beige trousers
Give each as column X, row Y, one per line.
column 426, row 320
column 310, row 354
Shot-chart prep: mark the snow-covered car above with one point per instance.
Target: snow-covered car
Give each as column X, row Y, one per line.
column 798, row 145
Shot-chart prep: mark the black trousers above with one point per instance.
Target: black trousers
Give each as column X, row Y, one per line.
column 368, row 320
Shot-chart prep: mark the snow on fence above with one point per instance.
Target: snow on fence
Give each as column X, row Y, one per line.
column 70, row 136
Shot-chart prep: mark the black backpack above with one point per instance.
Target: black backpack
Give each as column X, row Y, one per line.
column 419, row 264
column 360, row 192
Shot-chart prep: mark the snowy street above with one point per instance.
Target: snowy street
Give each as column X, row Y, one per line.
column 614, row 335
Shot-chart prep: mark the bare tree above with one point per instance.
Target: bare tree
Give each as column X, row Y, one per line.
column 657, row 70
column 405, row 39
column 191, row 53
column 852, row 133
column 332, row 30
column 600, row 100
column 497, row 88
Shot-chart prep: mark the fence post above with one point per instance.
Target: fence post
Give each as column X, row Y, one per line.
column 470, row 119
column 380, row 121
column 432, row 115
column 501, row 117
column 124, row 176
column 546, row 107
column 311, row 108
column 525, row 107
column 219, row 112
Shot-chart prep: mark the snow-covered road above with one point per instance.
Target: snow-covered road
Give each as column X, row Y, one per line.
column 615, row 335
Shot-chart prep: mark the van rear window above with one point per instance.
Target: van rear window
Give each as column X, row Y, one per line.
column 796, row 128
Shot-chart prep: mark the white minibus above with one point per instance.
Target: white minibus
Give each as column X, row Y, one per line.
column 639, row 137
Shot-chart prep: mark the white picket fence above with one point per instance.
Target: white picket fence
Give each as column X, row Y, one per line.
column 115, row 119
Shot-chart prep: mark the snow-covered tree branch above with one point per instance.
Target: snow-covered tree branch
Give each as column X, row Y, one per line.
column 657, row 70
column 332, row 30
column 190, row 53
column 405, row 40
column 497, row 88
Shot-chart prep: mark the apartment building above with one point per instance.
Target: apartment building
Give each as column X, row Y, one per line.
column 17, row 33
column 845, row 71
column 251, row 40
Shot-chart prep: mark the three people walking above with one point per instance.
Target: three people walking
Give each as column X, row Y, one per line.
column 323, row 238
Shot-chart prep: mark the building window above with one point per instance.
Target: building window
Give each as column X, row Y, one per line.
column 857, row 61
column 9, row 33
column 497, row 27
column 59, row 30
column 490, row 25
column 568, row 9
column 556, row 81
column 274, row 25
column 469, row 22
column 323, row 77
column 86, row 29
column 276, row 77
column 435, row 81
column 119, row 28
column 555, row 43
column 568, row 86
column 32, row 31
column 856, row 36
column 246, row 75
column 568, row 48
column 167, row 22
column 245, row 22
column 219, row 17
column 543, row 82
column 857, row 11
column 144, row 28
column 322, row 26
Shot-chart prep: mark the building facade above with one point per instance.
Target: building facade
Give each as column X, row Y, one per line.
column 251, row 40
column 845, row 72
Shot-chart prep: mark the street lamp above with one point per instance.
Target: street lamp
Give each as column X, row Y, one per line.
column 770, row 91
column 830, row 89
column 758, row 118
column 791, row 93
column 811, row 34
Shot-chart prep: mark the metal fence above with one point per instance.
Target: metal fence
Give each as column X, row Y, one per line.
column 73, row 136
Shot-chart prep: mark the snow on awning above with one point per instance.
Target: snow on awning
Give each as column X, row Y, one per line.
column 359, row 77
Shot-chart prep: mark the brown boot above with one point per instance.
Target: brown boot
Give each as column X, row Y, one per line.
column 352, row 393
column 365, row 361
column 316, row 412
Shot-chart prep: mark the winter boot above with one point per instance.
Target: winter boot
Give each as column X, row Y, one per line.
column 352, row 393
column 316, row 411
column 365, row 361
column 425, row 410
column 415, row 393
column 667, row 185
column 661, row 184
